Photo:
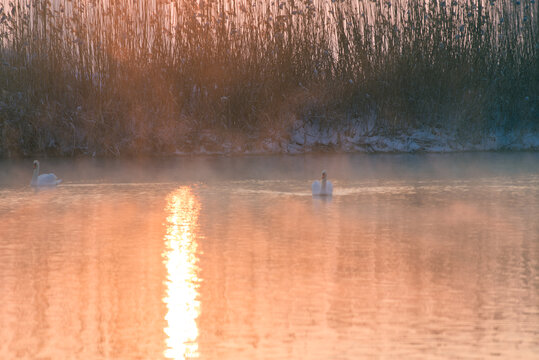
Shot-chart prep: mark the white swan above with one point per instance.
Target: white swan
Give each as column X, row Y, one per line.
column 43, row 179
column 323, row 187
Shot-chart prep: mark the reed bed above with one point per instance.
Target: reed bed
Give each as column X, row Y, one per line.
column 140, row 77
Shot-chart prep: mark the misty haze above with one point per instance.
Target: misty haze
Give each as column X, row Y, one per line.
column 269, row 179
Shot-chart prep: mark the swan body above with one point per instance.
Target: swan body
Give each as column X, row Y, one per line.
column 43, row 179
column 322, row 187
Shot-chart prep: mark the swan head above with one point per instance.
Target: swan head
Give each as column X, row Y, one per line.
column 36, row 164
column 324, row 175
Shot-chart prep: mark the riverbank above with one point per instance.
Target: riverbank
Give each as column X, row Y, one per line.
column 310, row 139
column 300, row 138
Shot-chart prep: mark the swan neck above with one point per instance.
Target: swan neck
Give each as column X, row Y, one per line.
column 35, row 174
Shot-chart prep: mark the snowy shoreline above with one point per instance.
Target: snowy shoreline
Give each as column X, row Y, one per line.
column 297, row 138
column 309, row 139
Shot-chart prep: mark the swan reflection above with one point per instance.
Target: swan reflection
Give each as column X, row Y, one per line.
column 181, row 299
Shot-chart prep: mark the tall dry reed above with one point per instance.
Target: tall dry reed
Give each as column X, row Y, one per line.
column 136, row 76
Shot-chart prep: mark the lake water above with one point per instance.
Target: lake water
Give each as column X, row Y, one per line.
column 415, row 256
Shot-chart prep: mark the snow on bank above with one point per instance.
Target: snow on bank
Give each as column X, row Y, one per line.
column 313, row 138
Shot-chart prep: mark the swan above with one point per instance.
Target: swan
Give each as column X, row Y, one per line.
column 43, row 179
column 323, row 187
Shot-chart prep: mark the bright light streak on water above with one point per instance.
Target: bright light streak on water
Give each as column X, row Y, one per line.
column 182, row 280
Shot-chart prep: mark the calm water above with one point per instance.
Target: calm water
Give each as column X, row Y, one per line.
column 415, row 256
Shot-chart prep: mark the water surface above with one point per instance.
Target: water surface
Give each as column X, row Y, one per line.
column 415, row 256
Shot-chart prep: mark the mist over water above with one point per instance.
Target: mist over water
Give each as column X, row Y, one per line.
column 414, row 256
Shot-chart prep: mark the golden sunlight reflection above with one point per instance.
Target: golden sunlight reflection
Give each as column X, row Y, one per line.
column 181, row 299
